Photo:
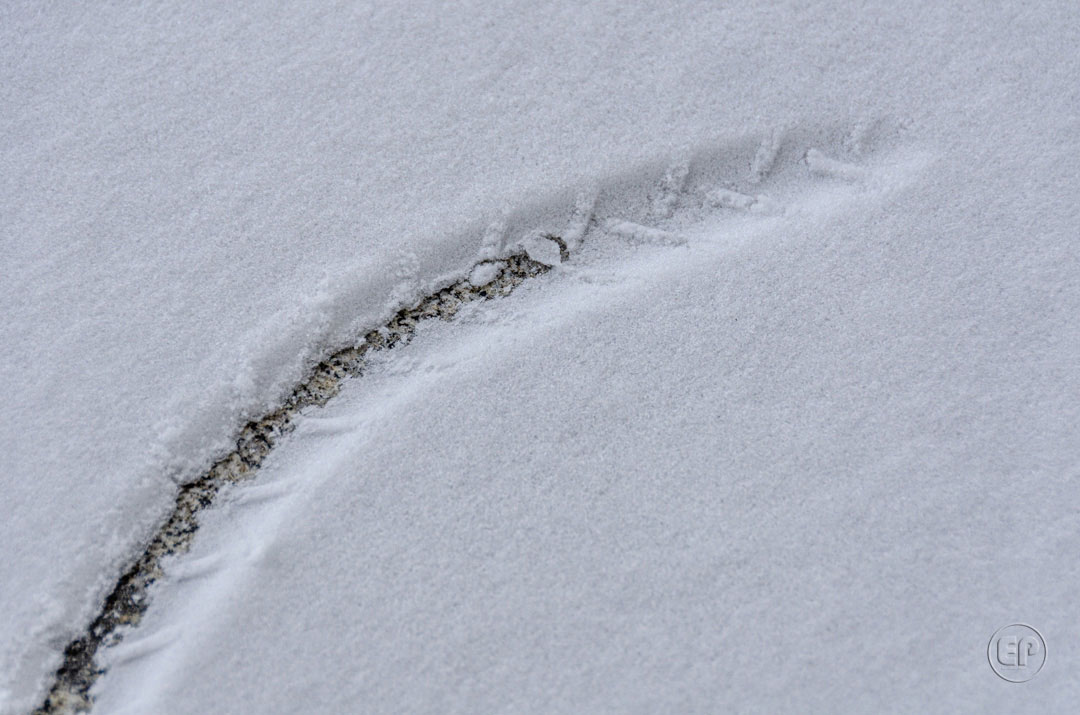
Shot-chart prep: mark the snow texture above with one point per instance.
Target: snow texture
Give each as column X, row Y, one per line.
column 754, row 473
column 749, row 470
column 484, row 273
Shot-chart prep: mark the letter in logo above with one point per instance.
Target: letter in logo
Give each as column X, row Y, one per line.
column 1028, row 646
column 1008, row 650
column 1017, row 652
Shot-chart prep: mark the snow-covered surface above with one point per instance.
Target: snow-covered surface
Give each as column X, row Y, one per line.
column 783, row 443
column 806, row 462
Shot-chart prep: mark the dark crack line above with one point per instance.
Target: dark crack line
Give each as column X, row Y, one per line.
column 129, row 598
column 128, row 601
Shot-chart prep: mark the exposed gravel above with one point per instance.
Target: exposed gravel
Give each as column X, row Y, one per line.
column 128, row 600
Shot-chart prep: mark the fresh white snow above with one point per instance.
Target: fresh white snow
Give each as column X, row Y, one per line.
column 763, row 458
column 804, row 463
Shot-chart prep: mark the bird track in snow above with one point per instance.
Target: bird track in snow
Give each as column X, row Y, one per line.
column 722, row 178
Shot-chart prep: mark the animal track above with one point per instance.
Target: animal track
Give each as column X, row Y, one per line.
column 580, row 218
column 822, row 165
column 643, row 207
column 144, row 647
column 198, row 568
column 491, row 245
column 727, row 199
column 636, row 233
column 686, row 190
column 671, row 189
column 765, row 156
column 407, row 273
column 129, row 599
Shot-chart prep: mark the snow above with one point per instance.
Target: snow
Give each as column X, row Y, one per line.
column 636, row 233
column 826, row 166
column 804, row 463
column 484, row 273
column 817, row 424
column 540, row 248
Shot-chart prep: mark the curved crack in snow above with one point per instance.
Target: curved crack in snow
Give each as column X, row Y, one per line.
column 128, row 601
